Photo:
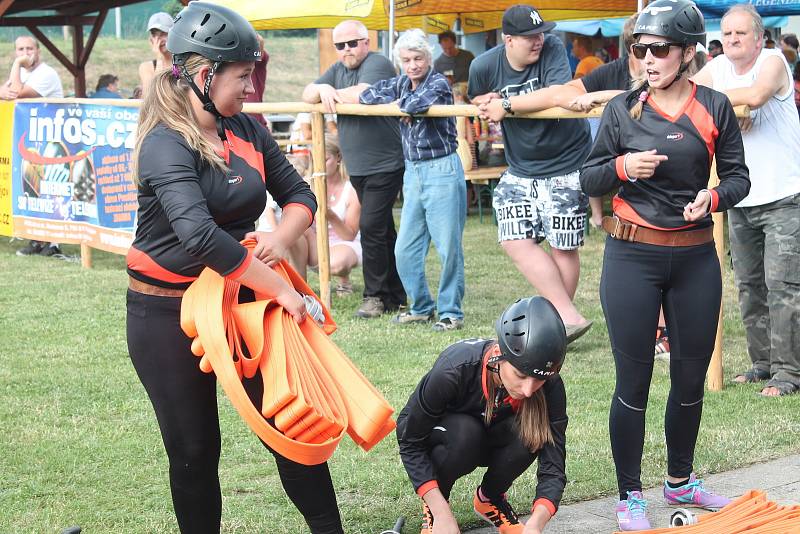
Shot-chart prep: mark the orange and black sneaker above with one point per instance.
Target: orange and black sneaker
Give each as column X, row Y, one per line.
column 499, row 513
column 427, row 520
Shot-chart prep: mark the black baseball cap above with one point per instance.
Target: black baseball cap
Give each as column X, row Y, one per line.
column 523, row 19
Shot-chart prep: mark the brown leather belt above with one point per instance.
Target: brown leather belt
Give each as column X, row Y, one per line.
column 149, row 289
column 628, row 231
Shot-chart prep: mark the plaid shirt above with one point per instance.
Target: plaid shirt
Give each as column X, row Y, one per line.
column 424, row 138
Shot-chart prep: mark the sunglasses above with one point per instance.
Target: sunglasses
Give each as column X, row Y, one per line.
column 659, row 50
column 350, row 44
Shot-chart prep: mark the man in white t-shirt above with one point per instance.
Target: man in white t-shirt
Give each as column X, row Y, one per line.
column 764, row 228
column 30, row 78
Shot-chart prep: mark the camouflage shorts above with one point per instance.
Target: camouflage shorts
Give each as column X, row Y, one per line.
column 551, row 208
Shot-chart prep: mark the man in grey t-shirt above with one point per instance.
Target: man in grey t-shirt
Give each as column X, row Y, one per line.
column 454, row 62
column 373, row 155
column 540, row 196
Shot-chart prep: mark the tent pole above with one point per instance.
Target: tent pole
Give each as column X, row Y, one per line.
column 391, row 28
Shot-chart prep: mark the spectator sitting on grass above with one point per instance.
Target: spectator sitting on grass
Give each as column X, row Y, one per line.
column 344, row 211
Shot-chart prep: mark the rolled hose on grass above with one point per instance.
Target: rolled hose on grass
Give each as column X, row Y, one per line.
column 313, row 393
column 751, row 513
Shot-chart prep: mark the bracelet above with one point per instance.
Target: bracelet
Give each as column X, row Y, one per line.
column 625, row 170
column 710, row 199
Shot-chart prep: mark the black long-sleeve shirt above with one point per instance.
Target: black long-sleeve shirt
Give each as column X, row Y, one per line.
column 192, row 215
column 706, row 127
column 455, row 384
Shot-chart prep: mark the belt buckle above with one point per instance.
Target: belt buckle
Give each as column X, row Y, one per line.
column 617, row 223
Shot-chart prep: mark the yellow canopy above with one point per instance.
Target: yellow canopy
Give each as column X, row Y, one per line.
column 430, row 15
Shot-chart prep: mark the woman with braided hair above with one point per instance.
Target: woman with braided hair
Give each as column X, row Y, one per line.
column 655, row 146
column 495, row 403
column 203, row 169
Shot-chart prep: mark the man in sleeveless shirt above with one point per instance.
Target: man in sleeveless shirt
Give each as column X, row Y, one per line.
column 764, row 228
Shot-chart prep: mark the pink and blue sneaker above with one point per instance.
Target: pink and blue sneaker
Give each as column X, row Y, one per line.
column 631, row 513
column 694, row 494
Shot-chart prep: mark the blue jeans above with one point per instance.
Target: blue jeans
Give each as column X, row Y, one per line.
column 434, row 208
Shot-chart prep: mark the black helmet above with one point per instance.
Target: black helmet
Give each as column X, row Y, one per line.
column 215, row 32
column 532, row 338
column 680, row 21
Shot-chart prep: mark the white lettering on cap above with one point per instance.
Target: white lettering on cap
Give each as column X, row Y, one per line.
column 535, row 18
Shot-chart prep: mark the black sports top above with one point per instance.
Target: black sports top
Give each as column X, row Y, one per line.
column 455, row 384
column 704, row 128
column 192, row 215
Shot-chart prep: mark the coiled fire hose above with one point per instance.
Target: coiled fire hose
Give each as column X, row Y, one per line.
column 751, row 513
column 313, row 393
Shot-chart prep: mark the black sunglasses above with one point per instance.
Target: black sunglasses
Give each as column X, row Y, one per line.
column 659, row 50
column 350, row 44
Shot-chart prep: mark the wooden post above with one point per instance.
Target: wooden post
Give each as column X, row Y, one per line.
column 321, row 190
column 86, row 256
column 714, row 374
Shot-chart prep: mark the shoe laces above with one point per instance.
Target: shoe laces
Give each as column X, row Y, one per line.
column 504, row 507
column 695, row 486
column 636, row 506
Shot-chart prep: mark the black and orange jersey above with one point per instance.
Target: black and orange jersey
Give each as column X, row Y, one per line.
column 192, row 215
column 457, row 384
column 705, row 127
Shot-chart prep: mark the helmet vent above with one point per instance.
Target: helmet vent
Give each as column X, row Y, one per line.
column 519, row 318
column 220, row 30
column 205, row 19
column 231, row 43
column 194, row 32
column 207, row 39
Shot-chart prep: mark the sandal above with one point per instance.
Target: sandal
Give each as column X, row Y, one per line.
column 784, row 388
column 751, row 376
column 342, row 290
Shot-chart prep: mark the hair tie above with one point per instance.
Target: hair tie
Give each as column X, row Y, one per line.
column 643, row 96
column 176, row 72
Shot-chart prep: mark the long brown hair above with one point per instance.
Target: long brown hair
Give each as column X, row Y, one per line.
column 168, row 103
column 532, row 421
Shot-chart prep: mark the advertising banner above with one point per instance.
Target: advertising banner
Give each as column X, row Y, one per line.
column 70, row 173
column 7, row 118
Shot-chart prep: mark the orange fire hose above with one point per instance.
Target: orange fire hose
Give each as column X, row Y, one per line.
column 312, row 391
column 751, row 513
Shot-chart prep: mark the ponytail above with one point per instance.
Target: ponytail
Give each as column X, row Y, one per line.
column 641, row 91
column 167, row 102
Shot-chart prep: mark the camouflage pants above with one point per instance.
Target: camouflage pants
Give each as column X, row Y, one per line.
column 765, row 246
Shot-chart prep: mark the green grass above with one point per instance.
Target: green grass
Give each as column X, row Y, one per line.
column 81, row 445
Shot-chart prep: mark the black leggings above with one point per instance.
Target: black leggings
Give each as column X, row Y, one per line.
column 636, row 280
column 466, row 443
column 185, row 401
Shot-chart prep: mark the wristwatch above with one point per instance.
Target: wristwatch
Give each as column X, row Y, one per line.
column 506, row 103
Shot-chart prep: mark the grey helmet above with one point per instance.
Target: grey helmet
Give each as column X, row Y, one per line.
column 680, row 21
column 213, row 31
column 217, row 33
column 532, row 337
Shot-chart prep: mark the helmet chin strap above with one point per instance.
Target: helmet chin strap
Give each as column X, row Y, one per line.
column 678, row 74
column 204, row 97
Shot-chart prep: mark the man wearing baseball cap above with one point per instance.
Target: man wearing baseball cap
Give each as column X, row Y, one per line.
column 539, row 197
column 159, row 26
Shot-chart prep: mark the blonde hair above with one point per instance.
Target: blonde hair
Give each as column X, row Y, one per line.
column 301, row 163
column 532, row 421
column 168, row 103
column 332, row 145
